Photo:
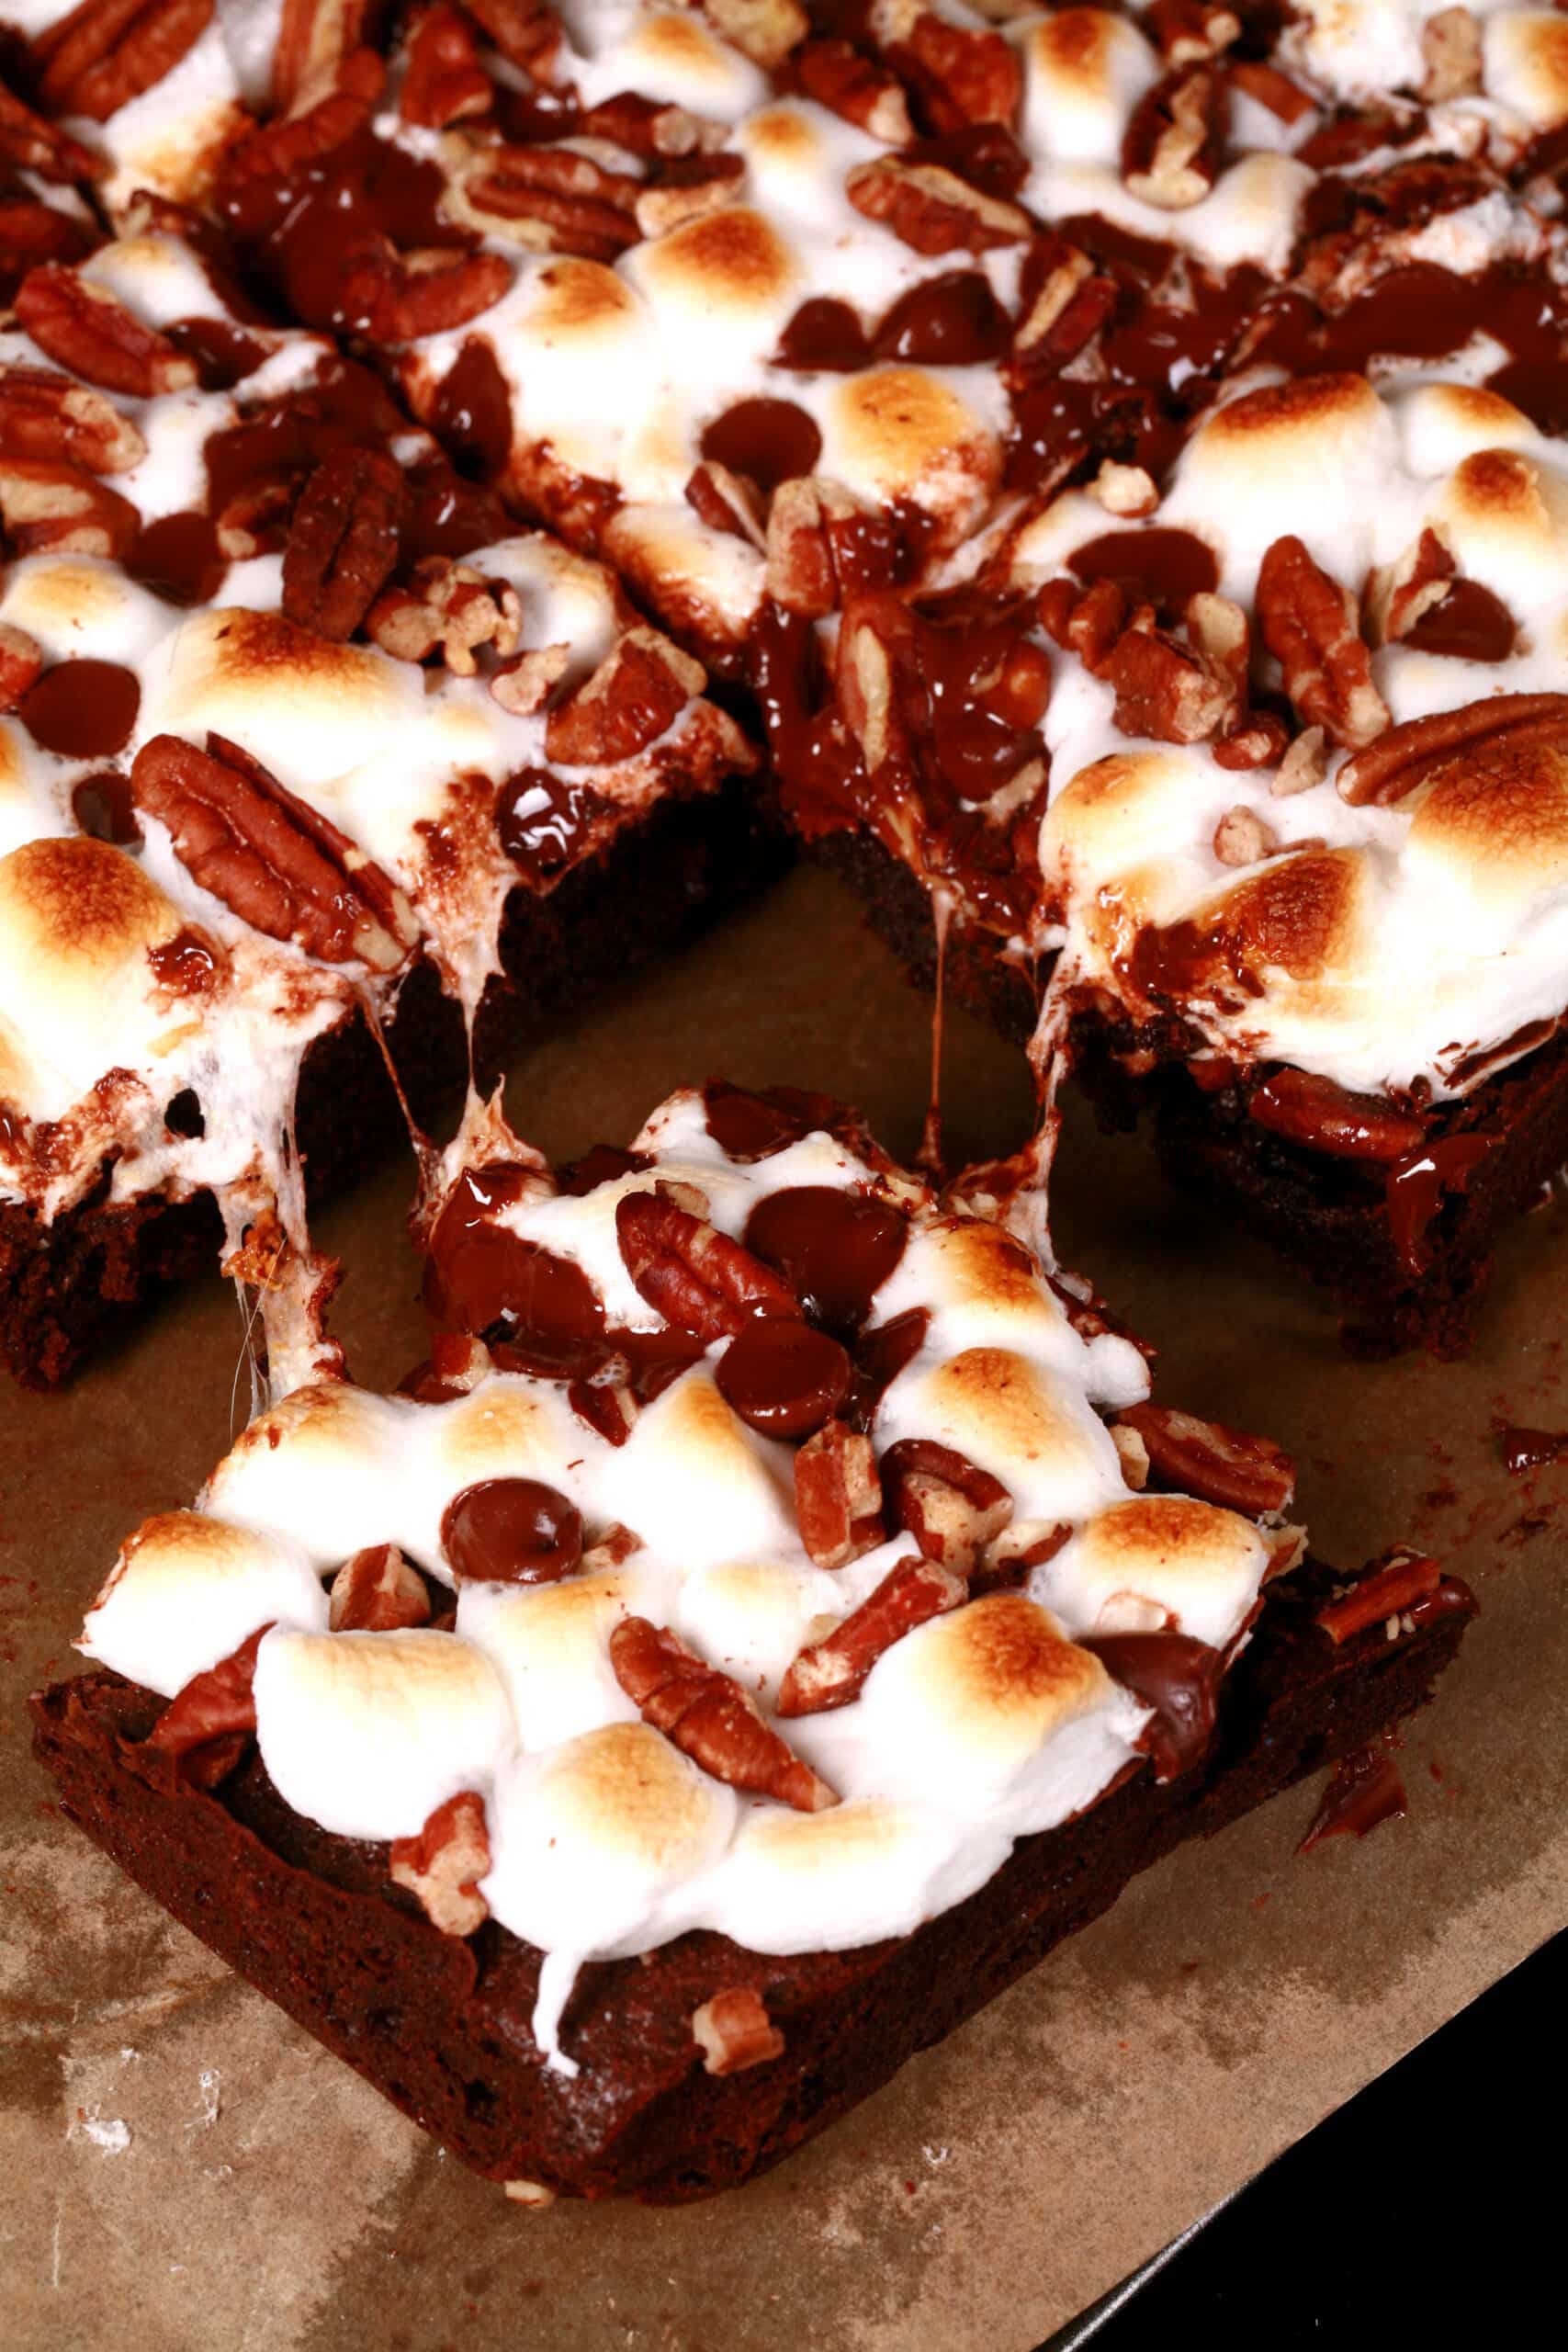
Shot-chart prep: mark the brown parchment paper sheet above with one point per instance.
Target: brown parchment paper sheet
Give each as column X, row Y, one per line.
column 182, row 2168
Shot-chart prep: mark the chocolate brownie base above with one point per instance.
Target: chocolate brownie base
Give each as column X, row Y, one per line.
column 441, row 2025
column 64, row 1285
column 1328, row 1216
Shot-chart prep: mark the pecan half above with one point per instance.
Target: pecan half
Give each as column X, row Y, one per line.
column 443, row 79
column 45, row 417
column 212, row 1704
column 275, row 150
column 838, row 1496
column 1399, row 597
column 733, row 2031
column 1219, row 1464
column 1308, row 622
column 342, row 542
column 696, row 1277
column 21, row 660
column 636, row 692
column 106, row 52
column 59, row 510
column 447, row 607
column 278, row 864
column 557, row 200
column 951, row 1507
column 856, row 88
column 445, row 1863
column 832, row 1672
column 708, row 1716
column 1399, row 1578
column 1313, row 1111
column 1171, row 150
column 1404, row 757
column 376, row 1592
column 399, row 298
column 931, row 209
column 85, row 329
column 30, row 144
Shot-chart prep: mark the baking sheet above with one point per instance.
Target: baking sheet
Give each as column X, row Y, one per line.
column 181, row 2166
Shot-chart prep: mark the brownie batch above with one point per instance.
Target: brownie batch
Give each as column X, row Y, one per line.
column 473, row 479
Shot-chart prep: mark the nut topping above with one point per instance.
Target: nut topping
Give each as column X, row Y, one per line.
column 28, row 143
column 697, row 1278
column 1170, row 152
column 1190, row 31
column 1313, row 1111
column 951, row 1507
column 838, row 1496
column 1394, row 1581
column 445, row 1863
column 764, row 30
column 85, row 329
column 442, row 80
column 708, row 1717
column 1172, row 692
column 555, row 200
column 1309, row 624
column 636, row 692
column 1451, row 43
column 342, row 542
column 527, row 32
column 1219, row 1464
column 448, row 608
column 376, row 1592
column 1406, row 755
column 59, row 510
column 832, row 1672
column 277, row 863
column 931, row 209
column 46, row 418
column 1241, row 837
column 21, row 661
column 733, row 2032
column 213, row 1705
column 106, row 52
column 822, row 544
column 314, row 38
column 856, row 88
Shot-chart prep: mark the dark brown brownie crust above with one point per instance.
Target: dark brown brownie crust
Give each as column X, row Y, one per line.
column 63, row 1284
column 442, row 2027
column 1327, row 1216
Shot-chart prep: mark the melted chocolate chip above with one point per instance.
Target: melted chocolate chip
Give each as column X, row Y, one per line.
column 187, row 965
column 602, row 1165
column 836, row 1247
column 178, row 558
column 477, row 1270
column 84, row 710
column 543, row 821
column 880, row 1356
column 1176, row 1676
column 824, row 335
column 783, row 1379
column 1165, row 566
column 769, row 441
column 1470, row 625
column 1417, row 1185
column 954, row 320
column 512, row 1530
column 750, row 1126
column 104, row 807
column 472, row 415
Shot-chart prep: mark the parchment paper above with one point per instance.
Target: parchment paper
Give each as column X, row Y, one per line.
column 181, row 2166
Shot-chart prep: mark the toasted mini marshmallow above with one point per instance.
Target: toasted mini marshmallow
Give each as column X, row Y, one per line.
column 369, row 1733
column 594, row 1844
column 77, row 919
column 1526, row 64
column 170, row 136
column 1503, row 514
column 1024, row 1423
column 796, row 1881
column 1196, row 1565
column 751, row 1617
column 160, row 279
column 892, row 433
column 326, row 1467
column 1443, row 424
column 705, row 581
column 665, row 53
column 697, row 1484
column 187, row 1590
column 723, row 287
column 992, row 1702
column 549, row 1645
column 1491, row 830
column 78, row 605
column 1085, row 71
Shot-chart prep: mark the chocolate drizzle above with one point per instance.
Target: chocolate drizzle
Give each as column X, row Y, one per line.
column 1366, row 1790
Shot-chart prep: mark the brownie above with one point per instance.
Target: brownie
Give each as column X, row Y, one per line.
column 66, row 1283
column 441, row 2025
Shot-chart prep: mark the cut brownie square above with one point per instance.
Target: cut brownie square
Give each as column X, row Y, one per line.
column 633, row 1739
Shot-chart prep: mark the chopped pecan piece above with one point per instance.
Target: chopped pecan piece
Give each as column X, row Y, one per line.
column 1171, row 692
column 45, row 417
column 709, row 1717
column 1303, row 763
column 644, row 127
column 1398, row 598
column 838, row 1496
column 764, row 30
column 275, row 150
column 1392, row 1583
column 1231, row 1467
column 1126, row 490
column 697, row 1278
column 314, row 38
column 636, row 692
column 1087, row 621
column 30, row 144
column 1451, row 43
column 448, row 608
column 931, row 209
column 342, row 542
column 1071, row 305
column 376, row 1592
column 557, row 201
column 1313, row 1111
column 1170, row 152
column 1133, row 1454
column 445, row 1863
column 443, row 79
column 59, row 510
column 951, row 1507
column 686, row 189
column 527, row 32
column 1190, row 31
column 213, row 1705
column 85, row 329
column 21, row 660
column 832, row 1672
column 863, row 92
column 733, row 2031
column 399, row 298
column 1392, row 767
column 106, row 52
column 526, row 682
column 725, row 502
column 278, row 864
column 964, row 76
column 1309, row 624
column 1027, row 1544
column 1271, row 88
column 823, row 546
column 1241, row 837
